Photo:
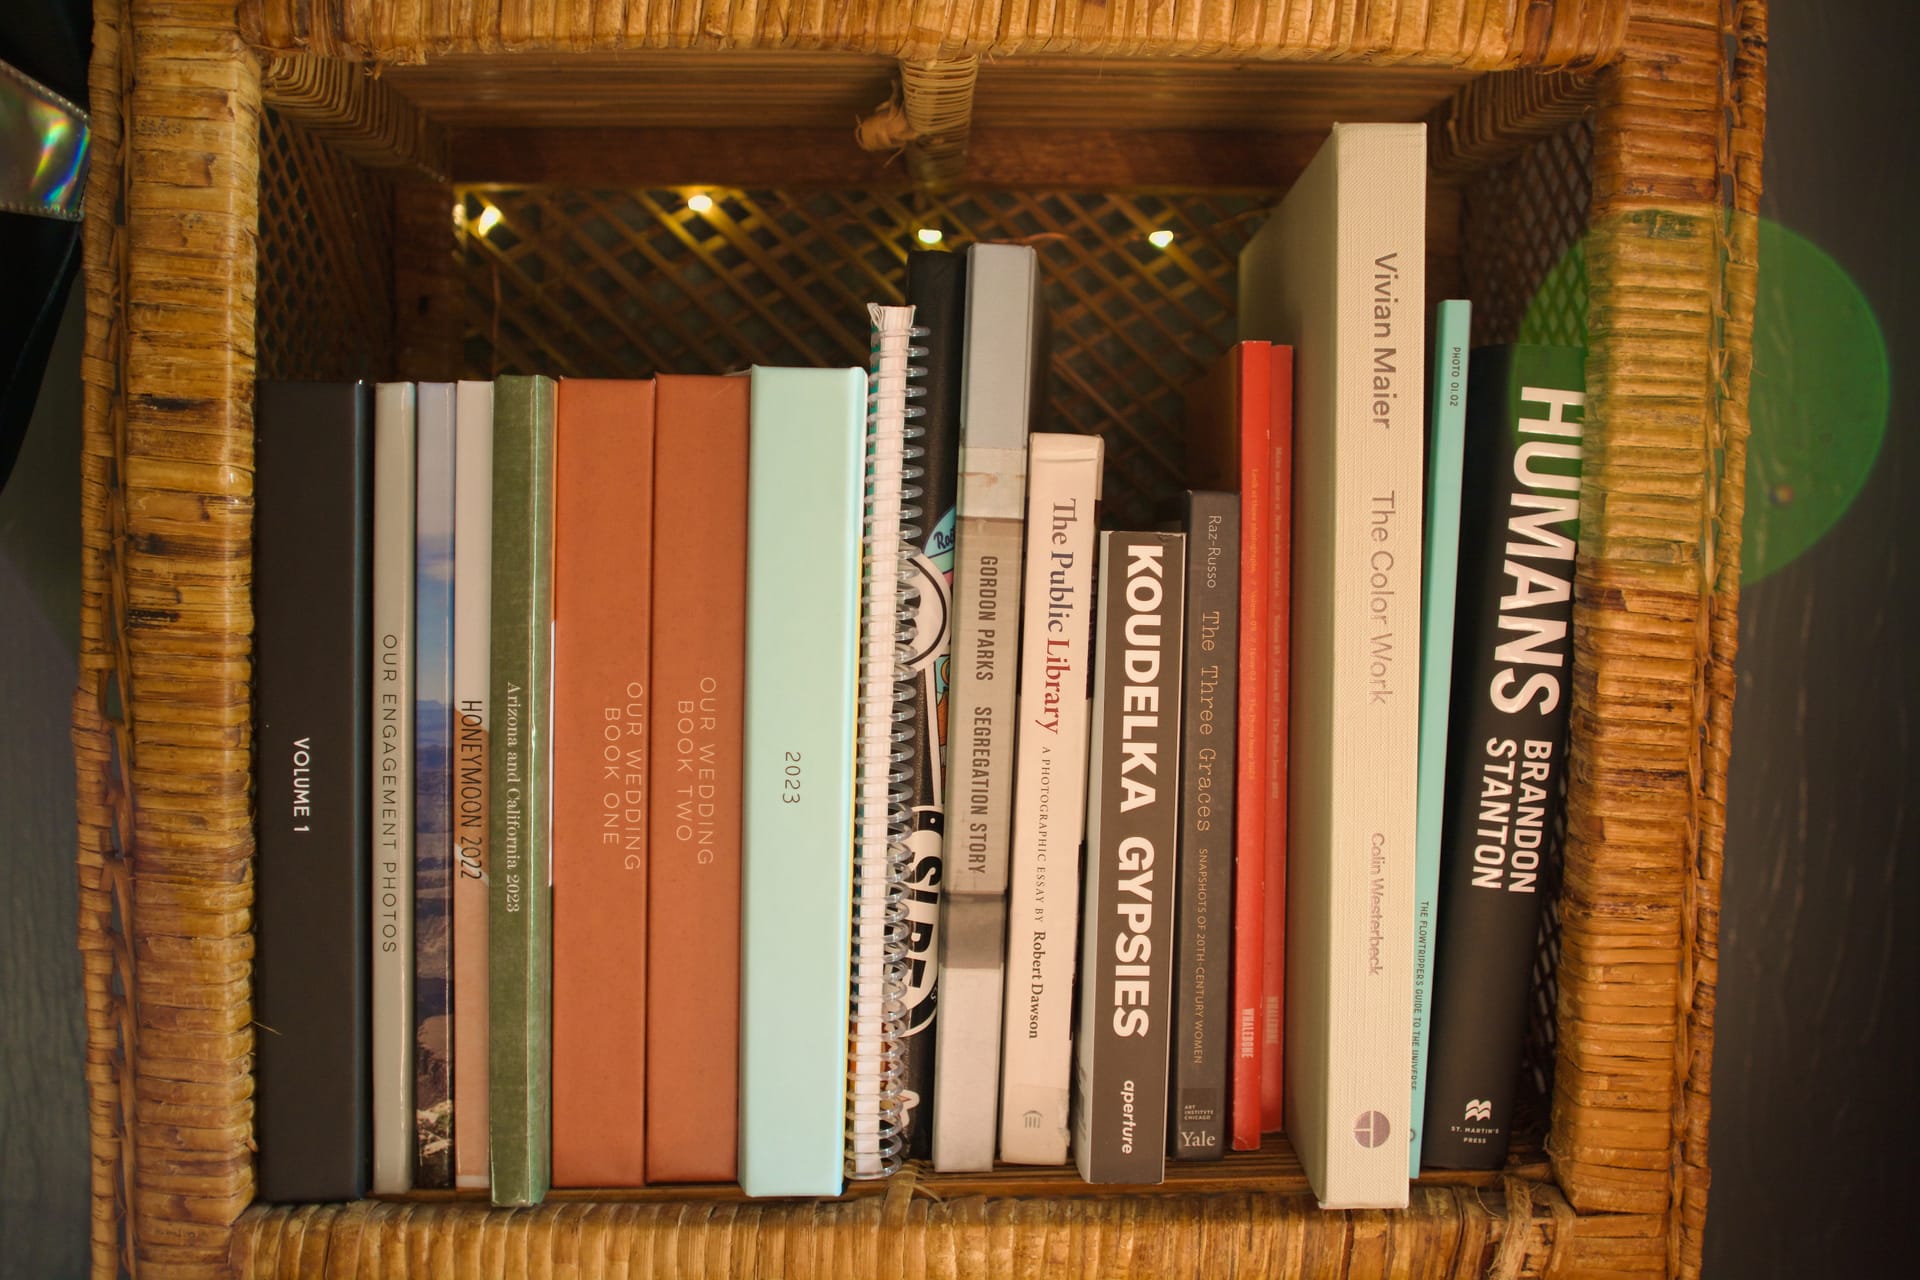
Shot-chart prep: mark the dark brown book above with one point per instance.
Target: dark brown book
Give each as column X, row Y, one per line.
column 313, row 655
column 1203, row 939
column 602, row 603
column 1125, row 989
column 699, row 660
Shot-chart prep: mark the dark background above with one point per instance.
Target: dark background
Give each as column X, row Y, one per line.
column 1814, row 1118
column 1814, row 1127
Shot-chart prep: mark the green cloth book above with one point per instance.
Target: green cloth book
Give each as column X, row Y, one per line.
column 1446, row 441
column 805, row 501
column 520, row 922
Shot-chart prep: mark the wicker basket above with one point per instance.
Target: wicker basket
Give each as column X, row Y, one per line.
column 261, row 203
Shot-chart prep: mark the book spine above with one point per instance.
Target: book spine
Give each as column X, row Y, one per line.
column 518, row 772
column 1446, row 433
column 805, row 499
column 1000, row 353
column 936, row 289
column 1339, row 271
column 883, row 815
column 693, row 855
column 1279, row 631
column 1049, row 795
column 602, row 601
column 313, row 469
column 1197, row 1108
column 1229, row 427
column 1133, row 824
column 472, row 603
column 1506, row 753
column 973, row 935
column 1253, row 415
column 433, row 737
column 1371, row 757
column 393, row 787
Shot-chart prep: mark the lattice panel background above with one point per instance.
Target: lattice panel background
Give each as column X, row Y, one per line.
column 326, row 259
column 626, row 283
column 1522, row 250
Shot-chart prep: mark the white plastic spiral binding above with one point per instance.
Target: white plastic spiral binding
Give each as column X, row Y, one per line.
column 891, row 530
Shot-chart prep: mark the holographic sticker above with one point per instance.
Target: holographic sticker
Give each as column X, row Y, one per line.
column 43, row 149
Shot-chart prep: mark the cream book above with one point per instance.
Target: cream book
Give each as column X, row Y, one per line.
column 1003, row 379
column 1338, row 272
column 1049, row 797
column 392, row 786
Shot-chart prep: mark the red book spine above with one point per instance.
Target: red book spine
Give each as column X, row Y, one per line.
column 1252, row 422
column 1252, row 410
column 1279, row 536
column 699, row 670
column 602, row 600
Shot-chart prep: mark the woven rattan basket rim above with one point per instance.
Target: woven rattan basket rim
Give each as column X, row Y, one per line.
column 161, row 714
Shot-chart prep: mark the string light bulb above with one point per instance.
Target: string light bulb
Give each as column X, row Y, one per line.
column 1161, row 238
column 699, row 202
column 489, row 219
column 930, row 235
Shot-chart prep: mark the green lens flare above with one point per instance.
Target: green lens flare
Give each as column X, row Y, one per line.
column 1557, row 313
column 1818, row 399
column 1821, row 389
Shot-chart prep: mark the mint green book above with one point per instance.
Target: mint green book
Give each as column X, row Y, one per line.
column 1446, row 441
column 519, row 924
column 805, row 491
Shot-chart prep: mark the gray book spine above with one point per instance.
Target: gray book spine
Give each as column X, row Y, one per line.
column 1004, row 361
column 1126, row 954
column 1209, row 714
column 393, row 787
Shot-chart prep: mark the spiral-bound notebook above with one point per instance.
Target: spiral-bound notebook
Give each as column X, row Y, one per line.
column 884, row 774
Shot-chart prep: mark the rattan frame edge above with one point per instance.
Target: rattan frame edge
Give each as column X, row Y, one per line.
column 359, row 114
column 160, row 713
column 1482, row 34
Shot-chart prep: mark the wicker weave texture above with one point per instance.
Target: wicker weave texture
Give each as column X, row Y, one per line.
column 161, row 714
column 182, row 173
column 1656, row 596
column 1444, row 1234
column 629, row 283
column 1476, row 33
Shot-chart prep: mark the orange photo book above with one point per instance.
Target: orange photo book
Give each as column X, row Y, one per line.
column 602, row 704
